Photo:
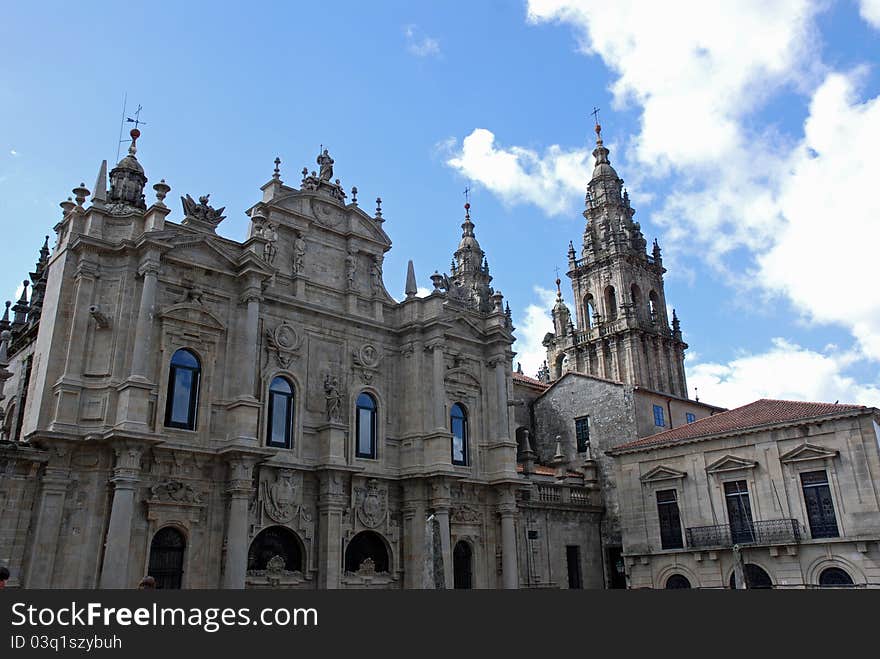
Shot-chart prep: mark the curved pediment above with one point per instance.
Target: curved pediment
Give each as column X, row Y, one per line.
column 187, row 313
column 462, row 378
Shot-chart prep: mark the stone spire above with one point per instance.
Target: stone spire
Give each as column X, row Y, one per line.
column 127, row 179
column 470, row 279
column 100, row 194
column 561, row 314
column 20, row 310
column 39, row 278
column 412, row 289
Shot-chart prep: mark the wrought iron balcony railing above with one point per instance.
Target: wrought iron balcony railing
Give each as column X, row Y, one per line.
column 762, row 532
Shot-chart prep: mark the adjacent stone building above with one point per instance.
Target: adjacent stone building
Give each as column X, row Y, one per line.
column 263, row 413
column 793, row 485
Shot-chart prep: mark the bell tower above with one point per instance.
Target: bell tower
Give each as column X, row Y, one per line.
column 623, row 332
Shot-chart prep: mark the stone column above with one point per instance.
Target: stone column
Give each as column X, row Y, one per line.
column 331, row 504
column 440, row 504
column 117, row 545
column 507, row 511
column 239, row 487
column 439, row 388
column 53, row 492
column 250, row 342
column 149, row 270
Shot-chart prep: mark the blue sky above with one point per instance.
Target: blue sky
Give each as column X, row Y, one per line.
column 743, row 133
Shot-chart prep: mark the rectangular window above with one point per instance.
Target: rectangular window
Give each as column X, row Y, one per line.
column 739, row 512
column 670, row 521
column 658, row 417
column 573, row 558
column 582, row 433
column 691, row 417
column 820, row 507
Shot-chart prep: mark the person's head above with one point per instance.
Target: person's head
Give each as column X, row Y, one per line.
column 4, row 575
column 147, row 583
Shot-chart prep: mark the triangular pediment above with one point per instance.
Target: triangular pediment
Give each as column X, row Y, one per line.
column 730, row 463
column 203, row 252
column 367, row 227
column 806, row 452
column 467, row 328
column 661, row 473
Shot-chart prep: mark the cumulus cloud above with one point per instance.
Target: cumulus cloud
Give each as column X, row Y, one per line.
column 420, row 44
column 519, row 175
column 13, row 152
column 786, row 371
column 531, row 328
column 870, row 11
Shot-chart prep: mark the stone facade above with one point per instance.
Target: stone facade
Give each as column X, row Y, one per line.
column 808, row 483
column 263, row 413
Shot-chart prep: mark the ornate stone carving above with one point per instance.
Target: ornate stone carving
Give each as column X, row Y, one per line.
column 175, row 492
column 284, row 341
column 333, row 397
column 270, row 250
column 376, row 276
column 371, row 503
column 201, row 212
column 366, row 361
column 350, row 269
column 367, row 567
column 299, row 254
column 325, row 163
column 280, row 499
column 466, row 514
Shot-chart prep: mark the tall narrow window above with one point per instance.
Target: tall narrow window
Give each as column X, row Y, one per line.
column 610, row 303
column 280, row 430
column 459, row 426
column 589, row 310
column 366, row 426
column 739, row 512
column 658, row 417
column 670, row 521
column 582, row 433
column 690, row 416
column 166, row 558
column 820, row 507
column 183, row 390
column 573, row 562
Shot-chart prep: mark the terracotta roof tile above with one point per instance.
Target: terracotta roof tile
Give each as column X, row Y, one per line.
column 525, row 379
column 544, row 470
column 762, row 412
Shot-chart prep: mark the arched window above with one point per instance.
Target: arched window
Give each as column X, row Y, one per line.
column 677, row 581
column 166, row 558
column 636, row 299
column 589, row 310
column 610, row 303
column 280, row 429
column 755, row 577
column 834, row 576
column 183, row 390
column 275, row 541
column 459, row 426
column 462, row 565
column 653, row 307
column 366, row 551
column 365, row 422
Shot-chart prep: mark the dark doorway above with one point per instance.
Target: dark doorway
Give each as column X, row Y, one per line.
column 739, row 512
column 573, row 560
column 820, row 507
column 166, row 558
column 275, row 541
column 616, row 571
column 755, row 577
column 677, row 582
column 366, row 546
column 462, row 565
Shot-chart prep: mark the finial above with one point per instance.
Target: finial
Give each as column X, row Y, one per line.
column 66, row 206
column 378, row 207
column 81, row 193
column 354, row 195
column 412, row 289
column 162, row 189
column 558, row 289
column 5, row 320
column 696, row 391
column 305, row 172
column 135, row 134
column 595, row 114
column 276, row 173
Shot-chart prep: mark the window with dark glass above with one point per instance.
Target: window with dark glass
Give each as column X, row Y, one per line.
column 573, row 562
column 834, row 576
column 658, row 416
column 183, row 390
column 820, row 507
column 459, row 426
column 739, row 512
column 582, row 433
column 280, row 429
column 677, row 582
column 670, row 521
column 365, row 423
column 690, row 416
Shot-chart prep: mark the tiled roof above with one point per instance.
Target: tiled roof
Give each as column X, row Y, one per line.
column 532, row 382
column 763, row 412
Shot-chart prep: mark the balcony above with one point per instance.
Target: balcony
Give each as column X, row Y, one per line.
column 764, row 532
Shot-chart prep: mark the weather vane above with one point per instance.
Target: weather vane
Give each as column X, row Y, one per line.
column 137, row 118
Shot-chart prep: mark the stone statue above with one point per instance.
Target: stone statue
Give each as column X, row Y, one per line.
column 333, row 397
column 270, row 250
column 202, row 211
column 376, row 275
column 326, row 164
column 350, row 268
column 299, row 252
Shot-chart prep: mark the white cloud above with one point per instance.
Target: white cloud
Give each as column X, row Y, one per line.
column 423, row 291
column 13, row 153
column 531, row 329
column 519, row 175
column 870, row 11
column 786, row 371
column 420, row 44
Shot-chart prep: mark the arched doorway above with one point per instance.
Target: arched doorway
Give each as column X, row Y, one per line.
column 275, row 541
column 166, row 558
column 367, row 551
column 834, row 576
column 677, row 582
column 755, row 577
column 462, row 565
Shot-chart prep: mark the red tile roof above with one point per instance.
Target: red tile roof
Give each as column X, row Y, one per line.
column 544, row 470
column 763, row 412
column 532, row 382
